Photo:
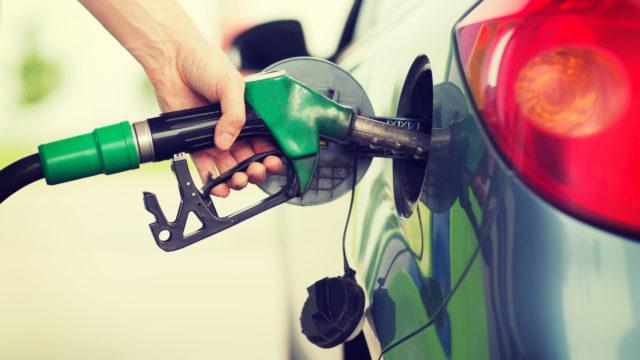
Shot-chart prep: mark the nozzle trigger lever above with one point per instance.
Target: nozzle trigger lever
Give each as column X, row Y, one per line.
column 170, row 236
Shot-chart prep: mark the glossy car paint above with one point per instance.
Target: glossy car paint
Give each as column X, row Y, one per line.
column 502, row 273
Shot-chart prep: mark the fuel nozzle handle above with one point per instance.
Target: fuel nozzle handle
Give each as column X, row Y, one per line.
column 190, row 130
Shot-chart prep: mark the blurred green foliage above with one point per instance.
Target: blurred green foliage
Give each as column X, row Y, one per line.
column 39, row 76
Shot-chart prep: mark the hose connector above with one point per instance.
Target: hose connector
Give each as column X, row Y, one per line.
column 106, row 150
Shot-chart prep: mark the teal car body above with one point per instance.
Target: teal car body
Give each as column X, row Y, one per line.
column 502, row 273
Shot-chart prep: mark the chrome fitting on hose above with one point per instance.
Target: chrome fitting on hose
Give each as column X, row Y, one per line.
column 144, row 141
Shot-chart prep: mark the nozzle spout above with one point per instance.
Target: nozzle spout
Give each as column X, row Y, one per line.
column 380, row 135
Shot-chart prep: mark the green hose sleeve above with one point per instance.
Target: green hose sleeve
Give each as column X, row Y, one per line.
column 106, row 150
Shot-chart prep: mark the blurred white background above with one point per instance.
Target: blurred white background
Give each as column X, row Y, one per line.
column 80, row 276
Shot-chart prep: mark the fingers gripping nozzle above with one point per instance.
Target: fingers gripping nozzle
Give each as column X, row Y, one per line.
column 170, row 235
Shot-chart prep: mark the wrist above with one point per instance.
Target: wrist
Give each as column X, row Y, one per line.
column 160, row 57
column 164, row 67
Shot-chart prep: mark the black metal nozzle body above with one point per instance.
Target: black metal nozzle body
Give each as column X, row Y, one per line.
column 192, row 130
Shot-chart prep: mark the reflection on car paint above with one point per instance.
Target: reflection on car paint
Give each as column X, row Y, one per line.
column 542, row 285
column 433, row 284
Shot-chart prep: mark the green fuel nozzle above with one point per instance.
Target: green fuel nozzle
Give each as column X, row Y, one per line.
column 295, row 117
column 280, row 107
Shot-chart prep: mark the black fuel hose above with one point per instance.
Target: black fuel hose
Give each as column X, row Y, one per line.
column 19, row 174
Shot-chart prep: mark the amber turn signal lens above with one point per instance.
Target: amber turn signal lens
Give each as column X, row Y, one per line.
column 557, row 86
column 572, row 91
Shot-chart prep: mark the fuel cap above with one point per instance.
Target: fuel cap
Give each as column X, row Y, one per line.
column 333, row 312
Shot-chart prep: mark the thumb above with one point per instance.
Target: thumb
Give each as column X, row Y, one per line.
column 211, row 74
column 231, row 95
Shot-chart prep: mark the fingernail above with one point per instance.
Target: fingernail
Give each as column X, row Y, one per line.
column 225, row 140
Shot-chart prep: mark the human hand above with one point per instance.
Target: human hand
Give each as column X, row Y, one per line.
column 187, row 71
column 202, row 74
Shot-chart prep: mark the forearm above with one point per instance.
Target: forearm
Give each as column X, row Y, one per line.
column 186, row 71
column 151, row 30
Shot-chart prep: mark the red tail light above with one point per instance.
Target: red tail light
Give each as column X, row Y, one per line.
column 558, row 86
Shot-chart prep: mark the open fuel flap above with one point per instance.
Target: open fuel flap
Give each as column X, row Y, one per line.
column 416, row 103
column 433, row 110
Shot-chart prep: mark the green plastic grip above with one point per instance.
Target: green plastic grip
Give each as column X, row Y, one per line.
column 106, row 150
column 297, row 115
